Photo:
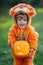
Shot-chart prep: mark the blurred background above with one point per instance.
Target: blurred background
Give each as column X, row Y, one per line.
column 6, row 56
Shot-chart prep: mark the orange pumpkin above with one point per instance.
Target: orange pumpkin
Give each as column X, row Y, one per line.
column 21, row 49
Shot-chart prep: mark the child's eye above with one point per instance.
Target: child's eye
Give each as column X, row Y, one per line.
column 19, row 19
column 25, row 19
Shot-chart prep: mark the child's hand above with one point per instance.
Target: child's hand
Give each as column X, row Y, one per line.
column 31, row 50
column 12, row 44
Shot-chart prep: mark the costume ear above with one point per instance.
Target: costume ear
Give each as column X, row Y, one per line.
column 11, row 11
column 32, row 12
column 31, row 9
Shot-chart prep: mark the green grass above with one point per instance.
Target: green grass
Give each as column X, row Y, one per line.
column 6, row 57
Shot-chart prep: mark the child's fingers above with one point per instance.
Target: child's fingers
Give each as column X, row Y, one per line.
column 31, row 50
column 12, row 44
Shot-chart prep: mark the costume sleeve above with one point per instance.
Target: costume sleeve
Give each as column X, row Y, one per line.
column 11, row 36
column 33, row 39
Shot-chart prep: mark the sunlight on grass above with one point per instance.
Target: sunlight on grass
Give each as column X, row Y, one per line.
column 36, row 24
column 6, row 24
column 39, row 10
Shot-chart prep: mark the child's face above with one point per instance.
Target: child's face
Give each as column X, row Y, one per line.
column 22, row 21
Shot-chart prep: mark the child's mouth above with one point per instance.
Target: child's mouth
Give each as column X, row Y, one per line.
column 22, row 25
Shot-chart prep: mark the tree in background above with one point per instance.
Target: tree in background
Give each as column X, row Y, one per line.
column 10, row 3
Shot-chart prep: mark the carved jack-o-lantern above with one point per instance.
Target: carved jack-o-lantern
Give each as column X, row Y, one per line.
column 21, row 49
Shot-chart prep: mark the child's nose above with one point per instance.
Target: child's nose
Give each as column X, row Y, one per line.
column 21, row 21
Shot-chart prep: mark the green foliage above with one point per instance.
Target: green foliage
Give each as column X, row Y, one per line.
column 6, row 57
column 10, row 3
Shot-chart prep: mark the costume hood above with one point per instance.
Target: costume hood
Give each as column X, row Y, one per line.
column 26, row 8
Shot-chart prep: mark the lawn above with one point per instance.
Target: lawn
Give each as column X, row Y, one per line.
column 6, row 57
